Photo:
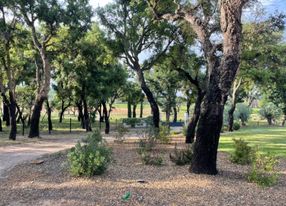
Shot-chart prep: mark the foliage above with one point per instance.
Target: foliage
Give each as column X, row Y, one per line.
column 270, row 111
column 243, row 154
column 182, row 156
column 148, row 140
column 164, row 134
column 91, row 157
column 131, row 121
column 149, row 158
column 120, row 132
column 263, row 170
column 242, row 112
column 236, row 126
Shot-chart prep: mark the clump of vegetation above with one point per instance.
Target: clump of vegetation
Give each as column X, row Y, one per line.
column 236, row 126
column 263, row 170
column 243, row 153
column 270, row 112
column 131, row 121
column 242, row 113
column 164, row 135
column 91, row 157
column 182, row 156
column 120, row 132
column 146, row 148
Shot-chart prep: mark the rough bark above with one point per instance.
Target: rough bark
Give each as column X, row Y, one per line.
column 13, row 120
column 35, row 119
column 191, row 129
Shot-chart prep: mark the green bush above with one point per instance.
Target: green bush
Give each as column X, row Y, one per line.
column 270, row 112
column 164, row 135
column 182, row 157
column 91, row 157
column 243, row 154
column 263, row 170
column 236, row 126
column 148, row 158
column 120, row 132
column 242, row 113
column 131, row 121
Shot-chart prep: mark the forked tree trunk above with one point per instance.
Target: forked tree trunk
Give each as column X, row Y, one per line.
column 106, row 118
column 221, row 76
column 35, row 119
column 63, row 109
column 13, row 120
column 151, row 99
column 191, row 129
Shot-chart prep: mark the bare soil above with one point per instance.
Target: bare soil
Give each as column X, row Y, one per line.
column 49, row 183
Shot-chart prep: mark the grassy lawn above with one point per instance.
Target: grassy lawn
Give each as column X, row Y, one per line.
column 268, row 139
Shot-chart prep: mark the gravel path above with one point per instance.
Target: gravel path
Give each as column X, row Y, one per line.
column 50, row 184
column 12, row 155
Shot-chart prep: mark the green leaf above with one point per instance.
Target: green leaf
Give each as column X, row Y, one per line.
column 126, row 196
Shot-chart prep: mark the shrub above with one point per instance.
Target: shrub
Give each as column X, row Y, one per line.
column 131, row 121
column 182, row 157
column 236, row 126
column 90, row 158
column 149, row 139
column 120, row 132
column 164, row 135
column 242, row 113
column 149, row 158
column 263, row 170
column 270, row 112
column 243, row 154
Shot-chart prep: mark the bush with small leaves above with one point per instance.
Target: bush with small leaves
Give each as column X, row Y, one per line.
column 120, row 132
column 149, row 158
column 164, row 135
column 236, row 126
column 91, row 157
column 263, row 170
column 182, row 156
column 243, row 153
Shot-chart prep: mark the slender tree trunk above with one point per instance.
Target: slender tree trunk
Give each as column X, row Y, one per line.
column 141, row 108
column 134, row 110
column 13, row 120
column 269, row 121
column 106, row 117
column 191, row 129
column 189, row 102
column 63, row 109
column 86, row 116
column 230, row 117
column 151, row 99
column 175, row 114
column 6, row 115
column 168, row 117
column 1, row 129
column 35, row 119
column 49, row 112
column 129, row 113
column 22, row 119
column 101, row 116
column 80, row 114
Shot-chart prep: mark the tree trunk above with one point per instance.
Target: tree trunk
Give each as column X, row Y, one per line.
column 283, row 122
column 175, row 115
column 151, row 99
column 86, row 115
column 134, row 110
column 188, row 106
column 106, row 117
column 221, row 75
column 6, row 116
column 230, row 117
column 191, row 129
column 35, row 119
column 63, row 109
column 141, row 108
column 13, row 120
column 49, row 112
column 129, row 113
column 168, row 117
column 101, row 117
column 269, row 120
column 1, row 129
column 80, row 114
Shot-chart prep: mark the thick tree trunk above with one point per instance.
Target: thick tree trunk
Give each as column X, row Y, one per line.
column 80, row 114
column 49, row 112
column 231, row 118
column 175, row 114
column 191, row 129
column 129, row 113
column 6, row 116
column 13, row 120
column 134, row 110
column 151, row 99
column 141, row 108
column 35, row 119
column 106, row 117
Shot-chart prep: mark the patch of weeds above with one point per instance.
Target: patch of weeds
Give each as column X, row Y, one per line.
column 182, row 156
column 243, row 153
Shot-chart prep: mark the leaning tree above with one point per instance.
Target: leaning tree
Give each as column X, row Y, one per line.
column 208, row 18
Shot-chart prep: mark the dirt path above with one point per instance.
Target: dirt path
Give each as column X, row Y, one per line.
column 12, row 155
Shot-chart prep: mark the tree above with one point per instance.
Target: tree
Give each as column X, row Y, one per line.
column 135, row 32
column 203, row 18
column 270, row 112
